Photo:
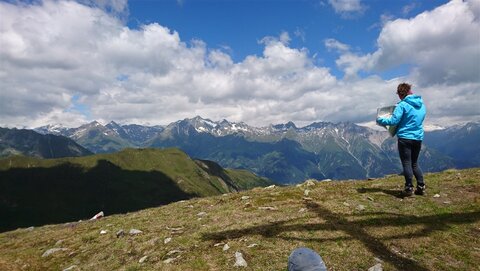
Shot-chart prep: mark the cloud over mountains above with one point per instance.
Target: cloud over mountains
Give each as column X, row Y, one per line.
column 69, row 62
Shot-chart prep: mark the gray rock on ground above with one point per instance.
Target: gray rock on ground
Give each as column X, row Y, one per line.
column 239, row 260
column 202, row 214
column 143, row 259
column 377, row 267
column 120, row 233
column 135, row 232
column 226, row 247
column 360, row 207
column 53, row 250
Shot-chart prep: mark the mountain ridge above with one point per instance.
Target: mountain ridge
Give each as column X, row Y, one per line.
column 340, row 150
column 28, row 142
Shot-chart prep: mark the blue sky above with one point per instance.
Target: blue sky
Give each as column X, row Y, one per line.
column 239, row 26
column 260, row 62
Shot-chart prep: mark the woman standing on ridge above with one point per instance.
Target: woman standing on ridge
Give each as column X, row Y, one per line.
column 408, row 116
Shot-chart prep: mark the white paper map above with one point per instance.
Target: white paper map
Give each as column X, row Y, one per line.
column 386, row 112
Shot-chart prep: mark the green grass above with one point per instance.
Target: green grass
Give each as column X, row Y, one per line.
column 415, row 233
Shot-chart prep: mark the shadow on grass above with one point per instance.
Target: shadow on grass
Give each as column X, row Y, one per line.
column 68, row 192
column 356, row 229
column 396, row 193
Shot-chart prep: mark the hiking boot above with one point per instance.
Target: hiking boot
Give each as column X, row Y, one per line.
column 408, row 191
column 420, row 190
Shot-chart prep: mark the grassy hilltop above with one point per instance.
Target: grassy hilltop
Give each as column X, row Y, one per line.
column 353, row 225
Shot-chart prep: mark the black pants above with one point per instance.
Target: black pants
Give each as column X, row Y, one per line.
column 409, row 151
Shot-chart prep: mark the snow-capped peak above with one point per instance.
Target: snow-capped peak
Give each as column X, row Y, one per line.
column 432, row 127
column 56, row 129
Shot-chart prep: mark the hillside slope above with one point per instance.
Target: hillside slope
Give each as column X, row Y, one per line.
column 353, row 225
column 31, row 143
column 39, row 191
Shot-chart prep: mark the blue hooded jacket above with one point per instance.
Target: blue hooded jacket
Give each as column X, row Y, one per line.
column 408, row 116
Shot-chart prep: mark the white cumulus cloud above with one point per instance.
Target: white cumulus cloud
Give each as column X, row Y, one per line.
column 333, row 44
column 441, row 46
column 68, row 62
column 347, row 8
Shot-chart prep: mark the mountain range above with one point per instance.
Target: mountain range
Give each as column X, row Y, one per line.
column 285, row 153
column 460, row 142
